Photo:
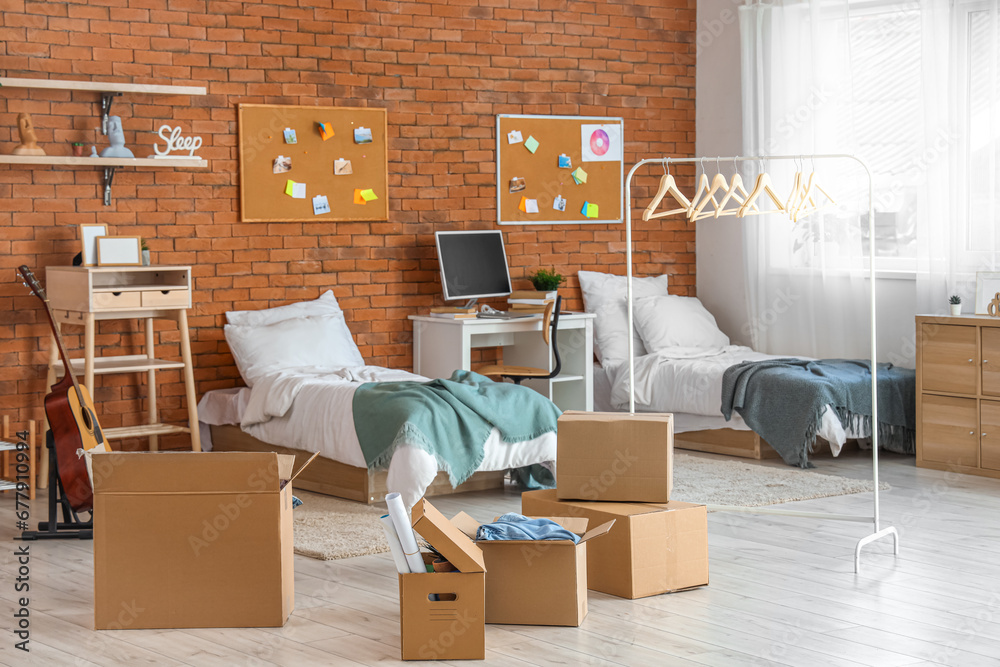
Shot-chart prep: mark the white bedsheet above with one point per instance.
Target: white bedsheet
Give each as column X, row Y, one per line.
column 313, row 412
column 693, row 384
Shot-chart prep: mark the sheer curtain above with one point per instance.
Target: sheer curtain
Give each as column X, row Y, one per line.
column 912, row 88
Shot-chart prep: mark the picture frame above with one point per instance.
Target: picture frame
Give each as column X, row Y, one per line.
column 119, row 251
column 987, row 286
column 88, row 242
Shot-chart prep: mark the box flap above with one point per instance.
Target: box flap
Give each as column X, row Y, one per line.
column 447, row 538
column 301, row 468
column 597, row 532
column 466, row 524
column 189, row 472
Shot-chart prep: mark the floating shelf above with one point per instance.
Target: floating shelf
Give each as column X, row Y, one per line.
column 101, row 86
column 103, row 161
column 109, row 91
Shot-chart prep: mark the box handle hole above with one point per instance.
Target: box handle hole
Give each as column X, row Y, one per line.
column 442, row 597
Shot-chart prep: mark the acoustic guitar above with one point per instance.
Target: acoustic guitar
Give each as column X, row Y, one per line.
column 71, row 418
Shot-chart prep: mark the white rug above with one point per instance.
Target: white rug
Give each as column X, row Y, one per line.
column 715, row 481
column 330, row 528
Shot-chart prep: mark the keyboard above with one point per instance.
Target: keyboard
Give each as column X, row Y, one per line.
column 504, row 315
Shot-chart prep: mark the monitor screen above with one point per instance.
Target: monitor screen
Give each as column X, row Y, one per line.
column 473, row 264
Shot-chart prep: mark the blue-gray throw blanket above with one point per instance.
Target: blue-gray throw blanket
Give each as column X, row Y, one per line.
column 449, row 419
column 513, row 526
column 783, row 401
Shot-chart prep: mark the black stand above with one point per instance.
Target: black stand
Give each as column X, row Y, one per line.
column 71, row 527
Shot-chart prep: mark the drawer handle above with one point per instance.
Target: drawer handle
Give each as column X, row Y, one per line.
column 984, row 435
column 972, row 432
column 116, row 294
column 166, row 291
column 970, row 361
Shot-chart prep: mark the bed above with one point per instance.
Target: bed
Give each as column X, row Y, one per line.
column 681, row 358
column 303, row 371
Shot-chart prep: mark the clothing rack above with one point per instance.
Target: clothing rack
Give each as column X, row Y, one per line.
column 878, row 532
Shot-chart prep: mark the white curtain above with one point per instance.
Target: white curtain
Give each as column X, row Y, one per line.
column 912, row 88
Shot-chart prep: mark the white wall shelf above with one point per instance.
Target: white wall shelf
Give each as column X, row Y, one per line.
column 108, row 93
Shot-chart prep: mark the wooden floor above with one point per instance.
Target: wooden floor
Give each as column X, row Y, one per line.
column 782, row 592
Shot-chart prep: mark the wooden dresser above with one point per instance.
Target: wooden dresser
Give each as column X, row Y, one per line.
column 958, row 393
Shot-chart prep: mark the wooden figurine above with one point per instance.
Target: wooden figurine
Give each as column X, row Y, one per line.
column 993, row 309
column 29, row 142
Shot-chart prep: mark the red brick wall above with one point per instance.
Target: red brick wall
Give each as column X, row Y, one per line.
column 443, row 70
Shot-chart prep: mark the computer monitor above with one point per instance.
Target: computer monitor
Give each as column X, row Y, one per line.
column 473, row 264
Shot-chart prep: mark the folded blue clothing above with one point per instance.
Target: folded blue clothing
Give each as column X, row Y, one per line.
column 515, row 526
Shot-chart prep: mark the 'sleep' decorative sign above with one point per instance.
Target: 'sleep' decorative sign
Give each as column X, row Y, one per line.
column 175, row 142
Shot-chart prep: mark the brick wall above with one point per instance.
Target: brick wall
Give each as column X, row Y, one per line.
column 443, row 70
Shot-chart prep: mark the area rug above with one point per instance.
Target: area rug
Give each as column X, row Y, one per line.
column 714, row 481
column 329, row 528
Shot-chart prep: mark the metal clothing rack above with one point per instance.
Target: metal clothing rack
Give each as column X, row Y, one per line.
column 878, row 532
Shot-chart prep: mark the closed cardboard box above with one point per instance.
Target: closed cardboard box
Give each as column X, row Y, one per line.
column 442, row 614
column 192, row 540
column 652, row 548
column 615, row 456
column 540, row 582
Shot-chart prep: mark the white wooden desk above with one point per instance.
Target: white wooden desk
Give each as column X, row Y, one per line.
column 441, row 346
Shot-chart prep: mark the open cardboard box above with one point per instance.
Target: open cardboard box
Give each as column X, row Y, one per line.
column 192, row 539
column 536, row 582
column 442, row 614
column 653, row 548
column 615, row 457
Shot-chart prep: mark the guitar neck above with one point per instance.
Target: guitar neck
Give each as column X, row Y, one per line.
column 59, row 345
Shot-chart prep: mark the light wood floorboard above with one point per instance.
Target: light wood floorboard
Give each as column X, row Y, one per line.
column 782, row 592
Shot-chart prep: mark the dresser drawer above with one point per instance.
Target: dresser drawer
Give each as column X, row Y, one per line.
column 115, row 300
column 166, row 297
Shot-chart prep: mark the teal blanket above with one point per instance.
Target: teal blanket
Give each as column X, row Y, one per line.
column 450, row 419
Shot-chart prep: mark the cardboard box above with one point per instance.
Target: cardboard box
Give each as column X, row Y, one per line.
column 192, row 540
column 536, row 582
column 615, row 456
column 652, row 548
column 442, row 615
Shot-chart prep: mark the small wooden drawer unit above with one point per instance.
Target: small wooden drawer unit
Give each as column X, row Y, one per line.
column 958, row 393
column 93, row 289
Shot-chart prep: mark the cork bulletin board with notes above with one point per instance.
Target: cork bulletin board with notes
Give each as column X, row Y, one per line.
column 307, row 163
column 559, row 169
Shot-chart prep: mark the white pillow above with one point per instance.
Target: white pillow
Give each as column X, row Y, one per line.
column 604, row 295
column 667, row 322
column 326, row 304
column 315, row 343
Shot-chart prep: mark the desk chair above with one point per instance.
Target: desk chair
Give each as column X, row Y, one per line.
column 550, row 327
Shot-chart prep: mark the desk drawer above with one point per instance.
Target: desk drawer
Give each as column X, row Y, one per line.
column 166, row 297
column 114, row 300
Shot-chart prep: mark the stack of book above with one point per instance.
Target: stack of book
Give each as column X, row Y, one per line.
column 454, row 312
column 530, row 301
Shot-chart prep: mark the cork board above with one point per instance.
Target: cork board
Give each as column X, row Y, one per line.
column 312, row 161
column 591, row 143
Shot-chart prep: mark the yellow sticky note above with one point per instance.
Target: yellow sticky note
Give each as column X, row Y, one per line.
column 358, row 199
column 290, row 188
column 579, row 175
column 369, row 194
column 591, row 210
column 523, row 206
column 325, row 130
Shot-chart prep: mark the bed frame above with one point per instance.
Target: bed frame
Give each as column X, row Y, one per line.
column 728, row 441
column 332, row 478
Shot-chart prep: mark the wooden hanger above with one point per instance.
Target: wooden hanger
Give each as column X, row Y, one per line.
column 703, row 187
column 763, row 186
column 718, row 183
column 667, row 186
column 799, row 212
column 738, row 193
column 794, row 201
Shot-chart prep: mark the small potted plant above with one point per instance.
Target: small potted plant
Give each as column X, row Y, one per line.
column 545, row 280
column 956, row 304
column 145, row 252
column 78, row 148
